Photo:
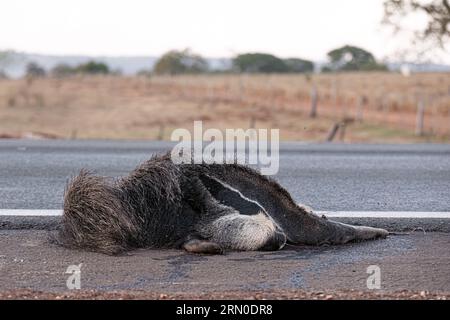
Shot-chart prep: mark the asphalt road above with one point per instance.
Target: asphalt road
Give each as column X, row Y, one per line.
column 325, row 176
column 334, row 177
column 418, row 261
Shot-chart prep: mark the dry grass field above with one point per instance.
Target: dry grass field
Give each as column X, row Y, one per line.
column 377, row 107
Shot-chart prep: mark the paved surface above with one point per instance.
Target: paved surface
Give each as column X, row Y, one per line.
column 327, row 177
column 295, row 294
column 390, row 224
column 324, row 176
column 409, row 262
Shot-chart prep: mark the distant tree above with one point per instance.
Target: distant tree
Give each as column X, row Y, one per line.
column 259, row 63
column 34, row 70
column 326, row 69
column 144, row 73
column 350, row 58
column 296, row 65
column 179, row 62
column 3, row 75
column 437, row 13
column 93, row 67
column 117, row 72
column 62, row 70
column 7, row 58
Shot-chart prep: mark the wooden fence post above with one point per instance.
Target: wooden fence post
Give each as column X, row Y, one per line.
column 335, row 95
column 332, row 132
column 420, row 117
column 252, row 126
column 241, row 88
column 314, row 98
column 160, row 135
column 360, row 108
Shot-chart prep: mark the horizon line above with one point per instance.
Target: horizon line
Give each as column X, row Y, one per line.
column 88, row 55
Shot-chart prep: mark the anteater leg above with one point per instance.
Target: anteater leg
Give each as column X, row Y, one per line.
column 245, row 232
column 202, row 246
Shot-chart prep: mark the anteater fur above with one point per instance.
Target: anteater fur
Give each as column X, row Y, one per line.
column 201, row 208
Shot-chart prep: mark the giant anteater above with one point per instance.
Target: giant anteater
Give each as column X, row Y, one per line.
column 203, row 208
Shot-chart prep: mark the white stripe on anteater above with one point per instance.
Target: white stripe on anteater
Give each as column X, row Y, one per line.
column 263, row 210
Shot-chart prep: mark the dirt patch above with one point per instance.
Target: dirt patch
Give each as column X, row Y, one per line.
column 238, row 295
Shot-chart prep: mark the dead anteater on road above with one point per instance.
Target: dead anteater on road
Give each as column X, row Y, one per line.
column 201, row 208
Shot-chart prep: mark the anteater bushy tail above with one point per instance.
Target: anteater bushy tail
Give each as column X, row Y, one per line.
column 96, row 216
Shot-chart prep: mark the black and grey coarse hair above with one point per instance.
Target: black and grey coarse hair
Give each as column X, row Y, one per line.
column 204, row 208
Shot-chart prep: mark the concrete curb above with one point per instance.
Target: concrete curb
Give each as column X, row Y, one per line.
column 395, row 221
column 392, row 221
column 29, row 222
column 400, row 224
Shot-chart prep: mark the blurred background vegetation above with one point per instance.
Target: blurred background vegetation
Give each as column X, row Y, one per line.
column 350, row 97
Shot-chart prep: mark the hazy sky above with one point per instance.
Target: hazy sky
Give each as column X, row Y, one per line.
column 214, row 28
